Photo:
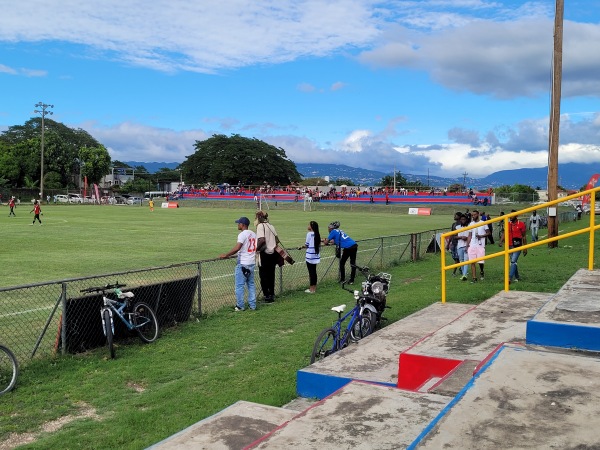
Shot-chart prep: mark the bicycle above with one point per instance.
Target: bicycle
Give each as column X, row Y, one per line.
column 140, row 318
column 337, row 337
column 9, row 370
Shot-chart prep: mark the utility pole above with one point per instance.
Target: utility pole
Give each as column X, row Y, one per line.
column 465, row 180
column 43, row 111
column 555, row 119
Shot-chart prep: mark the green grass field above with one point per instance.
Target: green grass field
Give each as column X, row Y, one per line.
column 202, row 366
column 83, row 240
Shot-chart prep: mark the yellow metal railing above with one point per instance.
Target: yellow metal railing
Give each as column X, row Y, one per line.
column 507, row 251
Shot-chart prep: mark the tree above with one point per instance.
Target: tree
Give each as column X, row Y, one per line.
column 314, row 181
column 222, row 159
column 95, row 163
column 388, row 180
column 518, row 192
column 344, row 181
column 20, row 148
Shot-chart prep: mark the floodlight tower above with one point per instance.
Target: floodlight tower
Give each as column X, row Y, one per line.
column 42, row 109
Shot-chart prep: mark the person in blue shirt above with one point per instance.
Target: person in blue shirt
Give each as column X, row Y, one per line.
column 348, row 249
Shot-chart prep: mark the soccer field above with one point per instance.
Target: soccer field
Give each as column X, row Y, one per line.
column 83, row 240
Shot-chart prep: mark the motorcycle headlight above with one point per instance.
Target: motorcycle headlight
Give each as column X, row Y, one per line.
column 377, row 287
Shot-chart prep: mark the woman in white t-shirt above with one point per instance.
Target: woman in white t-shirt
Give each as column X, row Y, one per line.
column 313, row 247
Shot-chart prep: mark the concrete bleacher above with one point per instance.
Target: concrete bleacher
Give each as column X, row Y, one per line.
column 449, row 376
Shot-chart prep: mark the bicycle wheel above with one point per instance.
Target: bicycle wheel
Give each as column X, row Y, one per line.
column 9, row 370
column 324, row 346
column 108, row 331
column 145, row 322
column 360, row 328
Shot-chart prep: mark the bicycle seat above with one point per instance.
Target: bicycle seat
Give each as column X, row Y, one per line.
column 339, row 309
column 126, row 295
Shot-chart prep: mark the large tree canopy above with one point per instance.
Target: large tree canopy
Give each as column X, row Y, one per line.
column 20, row 153
column 222, row 159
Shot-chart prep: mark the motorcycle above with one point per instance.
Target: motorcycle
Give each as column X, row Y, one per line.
column 374, row 291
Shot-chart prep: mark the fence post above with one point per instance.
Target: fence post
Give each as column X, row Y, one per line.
column 199, row 288
column 280, row 280
column 382, row 258
column 413, row 247
column 63, row 325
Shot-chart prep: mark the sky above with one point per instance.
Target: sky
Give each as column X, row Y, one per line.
column 444, row 87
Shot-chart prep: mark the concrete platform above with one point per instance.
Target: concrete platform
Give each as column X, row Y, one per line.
column 231, row 429
column 525, row 399
column 375, row 358
column 358, row 416
column 442, row 361
column 571, row 319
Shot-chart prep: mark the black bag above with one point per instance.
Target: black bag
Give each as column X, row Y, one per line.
column 517, row 242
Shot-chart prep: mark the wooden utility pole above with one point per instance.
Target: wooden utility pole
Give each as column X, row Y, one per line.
column 555, row 118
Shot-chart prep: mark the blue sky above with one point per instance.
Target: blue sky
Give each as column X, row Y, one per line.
column 440, row 86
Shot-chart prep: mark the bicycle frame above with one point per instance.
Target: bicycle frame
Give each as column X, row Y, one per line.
column 343, row 340
column 117, row 308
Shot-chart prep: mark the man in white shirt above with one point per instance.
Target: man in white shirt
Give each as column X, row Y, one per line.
column 476, row 245
column 244, row 270
column 534, row 226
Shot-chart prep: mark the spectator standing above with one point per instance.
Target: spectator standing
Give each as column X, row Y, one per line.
column 534, row 226
column 579, row 210
column 453, row 241
column 151, row 204
column 517, row 235
column 267, row 240
column 245, row 248
column 313, row 257
column 476, row 244
column 37, row 210
column 461, row 246
column 348, row 248
column 501, row 231
column 11, row 204
column 485, row 217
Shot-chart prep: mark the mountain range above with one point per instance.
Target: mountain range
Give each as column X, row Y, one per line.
column 571, row 175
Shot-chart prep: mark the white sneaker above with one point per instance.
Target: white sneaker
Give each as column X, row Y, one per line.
column 308, row 291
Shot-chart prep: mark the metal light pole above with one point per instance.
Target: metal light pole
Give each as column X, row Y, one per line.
column 43, row 111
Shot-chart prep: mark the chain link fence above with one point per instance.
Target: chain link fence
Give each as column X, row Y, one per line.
column 44, row 319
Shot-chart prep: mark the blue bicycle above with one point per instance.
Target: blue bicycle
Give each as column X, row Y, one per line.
column 351, row 327
column 140, row 318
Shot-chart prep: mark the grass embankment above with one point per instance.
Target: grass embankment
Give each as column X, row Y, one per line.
column 198, row 368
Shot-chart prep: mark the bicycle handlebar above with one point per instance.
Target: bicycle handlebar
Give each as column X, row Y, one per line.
column 103, row 288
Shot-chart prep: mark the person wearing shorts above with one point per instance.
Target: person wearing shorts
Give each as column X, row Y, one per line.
column 476, row 245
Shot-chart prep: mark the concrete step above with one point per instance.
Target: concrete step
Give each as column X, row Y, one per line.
column 358, row 416
column 443, row 358
column 571, row 318
column 375, row 358
column 231, row 429
column 526, row 399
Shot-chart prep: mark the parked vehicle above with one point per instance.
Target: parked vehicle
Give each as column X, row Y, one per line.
column 374, row 291
column 134, row 201
column 62, row 198
column 75, row 198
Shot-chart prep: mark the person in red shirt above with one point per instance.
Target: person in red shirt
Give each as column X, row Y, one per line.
column 37, row 210
column 517, row 235
column 11, row 204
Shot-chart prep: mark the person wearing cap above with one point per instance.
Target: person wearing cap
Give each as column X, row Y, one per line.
column 348, row 248
column 245, row 248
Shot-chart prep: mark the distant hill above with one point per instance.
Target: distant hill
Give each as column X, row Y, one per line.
column 571, row 175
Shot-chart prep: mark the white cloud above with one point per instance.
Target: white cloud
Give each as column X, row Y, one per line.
column 129, row 141
column 504, row 59
column 196, row 36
